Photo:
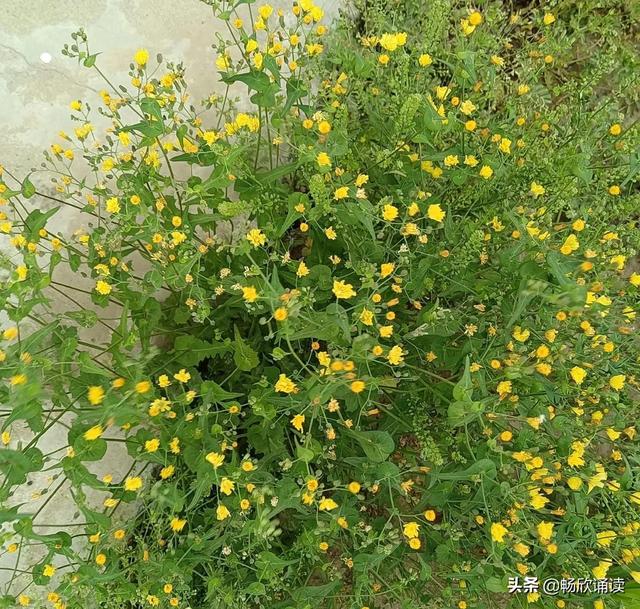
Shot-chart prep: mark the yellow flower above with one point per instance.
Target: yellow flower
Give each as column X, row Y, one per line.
column 177, row 524
column 504, row 388
column 574, row 483
column 521, row 549
column 571, row 244
column 343, row 290
column 95, row 395
column 222, row 512
column 467, row 107
column 341, row 193
column 327, row 504
column 411, row 530
column 475, row 18
column 265, row 11
column 600, row 571
column 18, row 379
column 143, row 387
column 298, row 422
column 216, row 459
column 548, row 18
column 425, row 60
column 598, row 479
column 615, row 129
column 167, row 472
column 93, row 433
column 604, row 538
column 486, row 172
column 330, row 233
column 389, row 212
column 498, row 531
column 617, row 382
column 256, row 237
column 354, row 487
column 385, row 331
column 280, row 314
column 357, row 386
column 323, row 159
column 521, row 335
column 249, row 293
column 227, row 486
column 48, row 570
column 10, row 333
column 102, row 287
column 141, row 57
column 578, row 374
column 536, row 189
column 112, row 205
column 545, row 530
column 302, row 270
column 386, row 269
column 435, row 212
column 133, row 483
column 391, row 42
column 537, row 500
column 430, row 515
column 285, row 385
column 324, row 127
column 367, row 317
column 395, row 355
column 152, row 446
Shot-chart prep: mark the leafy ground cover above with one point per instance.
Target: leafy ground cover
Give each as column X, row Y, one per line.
column 375, row 337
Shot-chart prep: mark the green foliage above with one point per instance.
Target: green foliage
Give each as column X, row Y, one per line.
column 371, row 343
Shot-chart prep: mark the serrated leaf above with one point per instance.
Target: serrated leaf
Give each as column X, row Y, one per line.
column 244, row 356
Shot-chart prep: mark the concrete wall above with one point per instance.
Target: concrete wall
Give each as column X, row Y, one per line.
column 37, row 84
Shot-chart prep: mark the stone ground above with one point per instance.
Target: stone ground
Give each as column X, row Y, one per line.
column 37, row 84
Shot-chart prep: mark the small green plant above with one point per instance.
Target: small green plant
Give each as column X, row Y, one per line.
column 371, row 343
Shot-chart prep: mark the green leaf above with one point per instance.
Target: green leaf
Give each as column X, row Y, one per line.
column 495, row 584
column 15, row 465
column 244, row 356
column 296, row 90
column 269, row 565
column 463, row 412
column 258, row 82
column 88, row 366
column 266, row 177
column 377, row 445
column 37, row 220
column 305, row 454
column 28, row 189
column 292, row 215
column 463, row 389
column 190, row 350
column 256, row 589
column 212, row 393
column 90, row 60
column 301, row 595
